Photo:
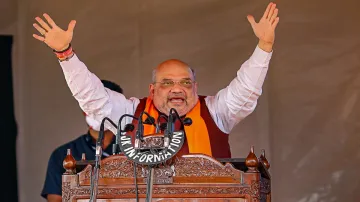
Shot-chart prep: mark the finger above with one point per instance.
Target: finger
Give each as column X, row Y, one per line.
column 43, row 24
column 39, row 29
column 71, row 26
column 251, row 20
column 40, row 38
column 271, row 11
column 275, row 22
column 273, row 17
column 49, row 20
column 266, row 13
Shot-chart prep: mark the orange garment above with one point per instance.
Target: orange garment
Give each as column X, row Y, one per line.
column 196, row 134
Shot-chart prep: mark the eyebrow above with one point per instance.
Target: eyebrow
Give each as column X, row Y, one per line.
column 165, row 79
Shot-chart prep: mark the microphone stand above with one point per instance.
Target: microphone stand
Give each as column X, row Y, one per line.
column 169, row 130
column 140, row 137
column 116, row 146
column 98, row 153
column 149, row 183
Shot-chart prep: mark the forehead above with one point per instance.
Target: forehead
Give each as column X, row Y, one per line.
column 173, row 70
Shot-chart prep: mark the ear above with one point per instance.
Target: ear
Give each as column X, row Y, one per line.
column 151, row 90
column 196, row 88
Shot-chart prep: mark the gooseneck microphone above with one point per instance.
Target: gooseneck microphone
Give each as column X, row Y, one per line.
column 127, row 128
column 159, row 126
column 100, row 139
column 98, row 152
column 170, row 128
column 139, row 136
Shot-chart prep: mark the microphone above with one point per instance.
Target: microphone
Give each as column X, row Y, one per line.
column 171, row 125
column 187, row 121
column 101, row 132
column 116, row 147
column 162, row 126
column 98, row 152
column 129, row 127
column 150, row 121
column 140, row 130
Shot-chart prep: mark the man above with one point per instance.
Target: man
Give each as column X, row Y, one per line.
column 84, row 144
column 173, row 86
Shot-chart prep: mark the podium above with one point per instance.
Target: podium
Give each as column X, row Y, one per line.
column 190, row 178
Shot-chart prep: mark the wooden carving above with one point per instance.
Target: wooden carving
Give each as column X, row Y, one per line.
column 175, row 191
column 203, row 166
column 114, row 168
column 156, row 140
column 189, row 176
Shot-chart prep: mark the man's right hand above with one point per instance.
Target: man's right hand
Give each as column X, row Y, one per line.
column 52, row 35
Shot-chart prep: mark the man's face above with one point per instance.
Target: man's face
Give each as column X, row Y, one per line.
column 174, row 87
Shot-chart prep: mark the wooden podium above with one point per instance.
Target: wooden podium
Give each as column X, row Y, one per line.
column 193, row 177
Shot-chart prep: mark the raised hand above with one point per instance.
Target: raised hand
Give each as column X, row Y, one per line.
column 265, row 28
column 52, row 35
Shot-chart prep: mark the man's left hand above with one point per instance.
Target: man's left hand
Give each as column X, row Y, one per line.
column 265, row 28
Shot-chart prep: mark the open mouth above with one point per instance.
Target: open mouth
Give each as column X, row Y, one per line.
column 177, row 100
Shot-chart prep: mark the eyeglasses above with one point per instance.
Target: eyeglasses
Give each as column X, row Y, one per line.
column 187, row 83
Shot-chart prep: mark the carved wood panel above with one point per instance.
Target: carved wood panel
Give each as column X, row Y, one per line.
column 172, row 191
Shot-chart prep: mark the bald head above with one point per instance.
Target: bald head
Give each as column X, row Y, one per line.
column 172, row 66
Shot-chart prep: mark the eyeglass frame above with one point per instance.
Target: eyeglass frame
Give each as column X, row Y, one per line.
column 176, row 82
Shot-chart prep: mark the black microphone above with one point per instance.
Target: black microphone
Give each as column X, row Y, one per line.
column 98, row 153
column 116, row 146
column 172, row 119
column 169, row 127
column 140, row 129
column 161, row 126
column 187, row 121
column 149, row 120
column 101, row 132
column 129, row 127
